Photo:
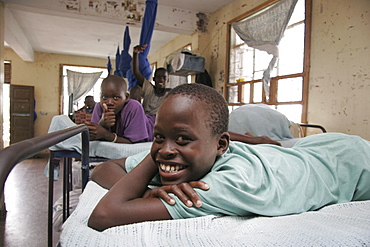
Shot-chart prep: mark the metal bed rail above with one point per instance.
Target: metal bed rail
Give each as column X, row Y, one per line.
column 17, row 152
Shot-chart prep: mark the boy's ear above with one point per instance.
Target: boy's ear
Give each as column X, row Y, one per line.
column 223, row 143
column 127, row 95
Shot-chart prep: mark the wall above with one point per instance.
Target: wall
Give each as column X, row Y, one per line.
column 340, row 60
column 340, row 66
column 44, row 75
column 2, row 27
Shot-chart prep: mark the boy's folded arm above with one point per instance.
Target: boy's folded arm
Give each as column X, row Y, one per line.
column 184, row 191
column 123, row 204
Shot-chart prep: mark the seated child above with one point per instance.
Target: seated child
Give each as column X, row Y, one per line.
column 191, row 144
column 89, row 104
column 118, row 118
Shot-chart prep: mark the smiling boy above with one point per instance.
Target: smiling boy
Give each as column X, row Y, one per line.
column 191, row 143
column 153, row 95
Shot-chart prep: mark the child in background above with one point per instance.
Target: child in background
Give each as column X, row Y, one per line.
column 89, row 104
column 135, row 93
column 152, row 95
column 191, row 143
column 118, row 118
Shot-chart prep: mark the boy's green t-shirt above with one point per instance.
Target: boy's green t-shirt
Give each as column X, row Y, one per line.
column 271, row 180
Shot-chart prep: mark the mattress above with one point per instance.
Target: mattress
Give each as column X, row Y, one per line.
column 346, row 224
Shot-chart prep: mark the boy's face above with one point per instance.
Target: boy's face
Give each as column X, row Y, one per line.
column 160, row 78
column 90, row 103
column 184, row 149
column 113, row 95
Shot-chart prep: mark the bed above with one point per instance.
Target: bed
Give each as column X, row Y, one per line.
column 262, row 120
column 75, row 179
column 346, row 224
column 98, row 149
column 12, row 155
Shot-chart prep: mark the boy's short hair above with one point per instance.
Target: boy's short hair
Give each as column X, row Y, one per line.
column 116, row 80
column 158, row 70
column 214, row 103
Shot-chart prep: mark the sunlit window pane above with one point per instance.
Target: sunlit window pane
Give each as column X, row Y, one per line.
column 233, row 94
column 289, row 89
column 291, row 51
column 257, row 92
column 298, row 13
column 249, row 64
column 262, row 60
column 292, row 112
column 246, row 93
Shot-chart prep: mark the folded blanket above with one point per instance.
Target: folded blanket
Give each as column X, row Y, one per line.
column 346, row 224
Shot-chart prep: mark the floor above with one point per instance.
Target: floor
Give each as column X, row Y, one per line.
column 26, row 198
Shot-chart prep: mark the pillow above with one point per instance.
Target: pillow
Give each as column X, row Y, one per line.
column 260, row 120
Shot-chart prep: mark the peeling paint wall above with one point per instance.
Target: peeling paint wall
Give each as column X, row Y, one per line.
column 132, row 10
column 44, row 75
column 339, row 92
column 340, row 66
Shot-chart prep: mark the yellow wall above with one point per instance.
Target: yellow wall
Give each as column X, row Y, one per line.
column 44, row 75
column 340, row 64
column 340, row 60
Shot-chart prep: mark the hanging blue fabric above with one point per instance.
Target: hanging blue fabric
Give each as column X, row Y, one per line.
column 109, row 65
column 118, row 58
column 126, row 59
column 147, row 28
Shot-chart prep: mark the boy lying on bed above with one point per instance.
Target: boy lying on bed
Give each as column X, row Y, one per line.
column 191, row 143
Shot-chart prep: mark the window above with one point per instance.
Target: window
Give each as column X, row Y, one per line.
column 95, row 91
column 289, row 78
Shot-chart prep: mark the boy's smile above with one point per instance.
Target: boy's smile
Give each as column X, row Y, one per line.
column 160, row 79
column 184, row 148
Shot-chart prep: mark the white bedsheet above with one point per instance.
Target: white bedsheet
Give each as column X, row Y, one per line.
column 97, row 148
column 346, row 224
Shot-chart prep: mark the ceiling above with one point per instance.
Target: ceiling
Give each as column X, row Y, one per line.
column 95, row 28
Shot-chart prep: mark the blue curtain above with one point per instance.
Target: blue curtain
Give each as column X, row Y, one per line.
column 147, row 28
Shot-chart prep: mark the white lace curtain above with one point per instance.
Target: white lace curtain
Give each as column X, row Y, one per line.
column 264, row 30
column 79, row 84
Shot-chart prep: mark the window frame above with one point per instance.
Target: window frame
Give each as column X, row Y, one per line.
column 274, row 79
column 63, row 101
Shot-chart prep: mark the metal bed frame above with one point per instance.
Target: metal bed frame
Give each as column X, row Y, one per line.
column 15, row 153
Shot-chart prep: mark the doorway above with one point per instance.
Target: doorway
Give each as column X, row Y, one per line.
column 6, row 115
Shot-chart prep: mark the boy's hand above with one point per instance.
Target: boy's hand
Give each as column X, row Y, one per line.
column 139, row 48
column 96, row 131
column 267, row 140
column 184, row 191
column 108, row 119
